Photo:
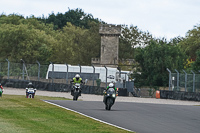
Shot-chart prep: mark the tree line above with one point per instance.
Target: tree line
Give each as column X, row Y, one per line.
column 73, row 38
column 33, row 39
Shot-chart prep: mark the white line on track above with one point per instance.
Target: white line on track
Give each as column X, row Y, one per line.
column 88, row 116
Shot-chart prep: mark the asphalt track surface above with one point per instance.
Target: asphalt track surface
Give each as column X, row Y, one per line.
column 140, row 117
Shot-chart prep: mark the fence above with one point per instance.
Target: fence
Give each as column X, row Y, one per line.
column 21, row 71
column 38, row 72
column 183, row 81
column 182, row 86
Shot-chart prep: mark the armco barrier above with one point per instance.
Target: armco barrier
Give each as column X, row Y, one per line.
column 122, row 92
column 180, row 95
column 164, row 94
column 58, row 87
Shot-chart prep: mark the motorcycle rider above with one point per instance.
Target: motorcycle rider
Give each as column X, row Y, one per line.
column 76, row 79
column 30, row 85
column 111, row 85
column 1, row 87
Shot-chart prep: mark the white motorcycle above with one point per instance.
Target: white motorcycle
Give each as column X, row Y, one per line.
column 30, row 92
column 76, row 91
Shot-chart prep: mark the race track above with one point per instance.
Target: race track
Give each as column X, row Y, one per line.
column 141, row 117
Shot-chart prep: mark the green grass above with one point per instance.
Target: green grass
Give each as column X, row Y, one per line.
column 22, row 115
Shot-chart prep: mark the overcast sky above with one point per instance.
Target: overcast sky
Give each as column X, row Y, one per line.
column 162, row 18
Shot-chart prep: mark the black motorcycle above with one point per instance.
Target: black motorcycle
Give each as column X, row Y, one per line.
column 76, row 91
column 109, row 98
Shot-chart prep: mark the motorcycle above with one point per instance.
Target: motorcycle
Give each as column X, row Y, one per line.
column 76, row 91
column 109, row 98
column 30, row 92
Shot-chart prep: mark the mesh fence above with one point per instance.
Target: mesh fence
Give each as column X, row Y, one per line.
column 185, row 82
column 197, row 82
column 3, row 69
column 25, row 72
column 61, row 73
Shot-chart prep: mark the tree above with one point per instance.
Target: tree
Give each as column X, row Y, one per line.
column 153, row 61
column 191, row 44
column 18, row 41
column 33, row 40
column 196, row 64
column 76, row 45
column 130, row 38
column 92, row 43
column 11, row 19
column 26, row 39
column 76, row 17
column 66, row 49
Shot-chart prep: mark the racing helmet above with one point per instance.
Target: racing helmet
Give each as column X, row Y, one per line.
column 111, row 85
column 77, row 76
column 29, row 83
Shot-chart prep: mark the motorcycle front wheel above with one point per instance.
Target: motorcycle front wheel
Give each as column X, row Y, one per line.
column 30, row 96
column 75, row 98
column 109, row 103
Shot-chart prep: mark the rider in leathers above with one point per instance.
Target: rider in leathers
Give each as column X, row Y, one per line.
column 76, row 79
column 30, row 85
column 1, row 87
column 111, row 85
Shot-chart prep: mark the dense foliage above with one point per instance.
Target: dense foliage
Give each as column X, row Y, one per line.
column 196, row 65
column 77, row 17
column 154, row 60
column 31, row 39
column 131, row 38
column 191, row 43
column 25, row 38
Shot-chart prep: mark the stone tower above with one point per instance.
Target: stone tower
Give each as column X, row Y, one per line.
column 109, row 44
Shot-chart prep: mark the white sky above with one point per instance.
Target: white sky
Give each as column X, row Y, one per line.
column 162, row 18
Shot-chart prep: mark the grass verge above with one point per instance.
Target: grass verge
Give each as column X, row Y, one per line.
column 22, row 115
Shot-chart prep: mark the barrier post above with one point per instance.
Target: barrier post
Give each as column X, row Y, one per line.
column 93, row 73
column 170, row 76
column 23, row 69
column 8, row 69
column 106, row 74
column 38, row 70
column 52, row 77
column 177, row 86
column 67, row 73
column 185, row 80
column 193, row 80
column 80, row 69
